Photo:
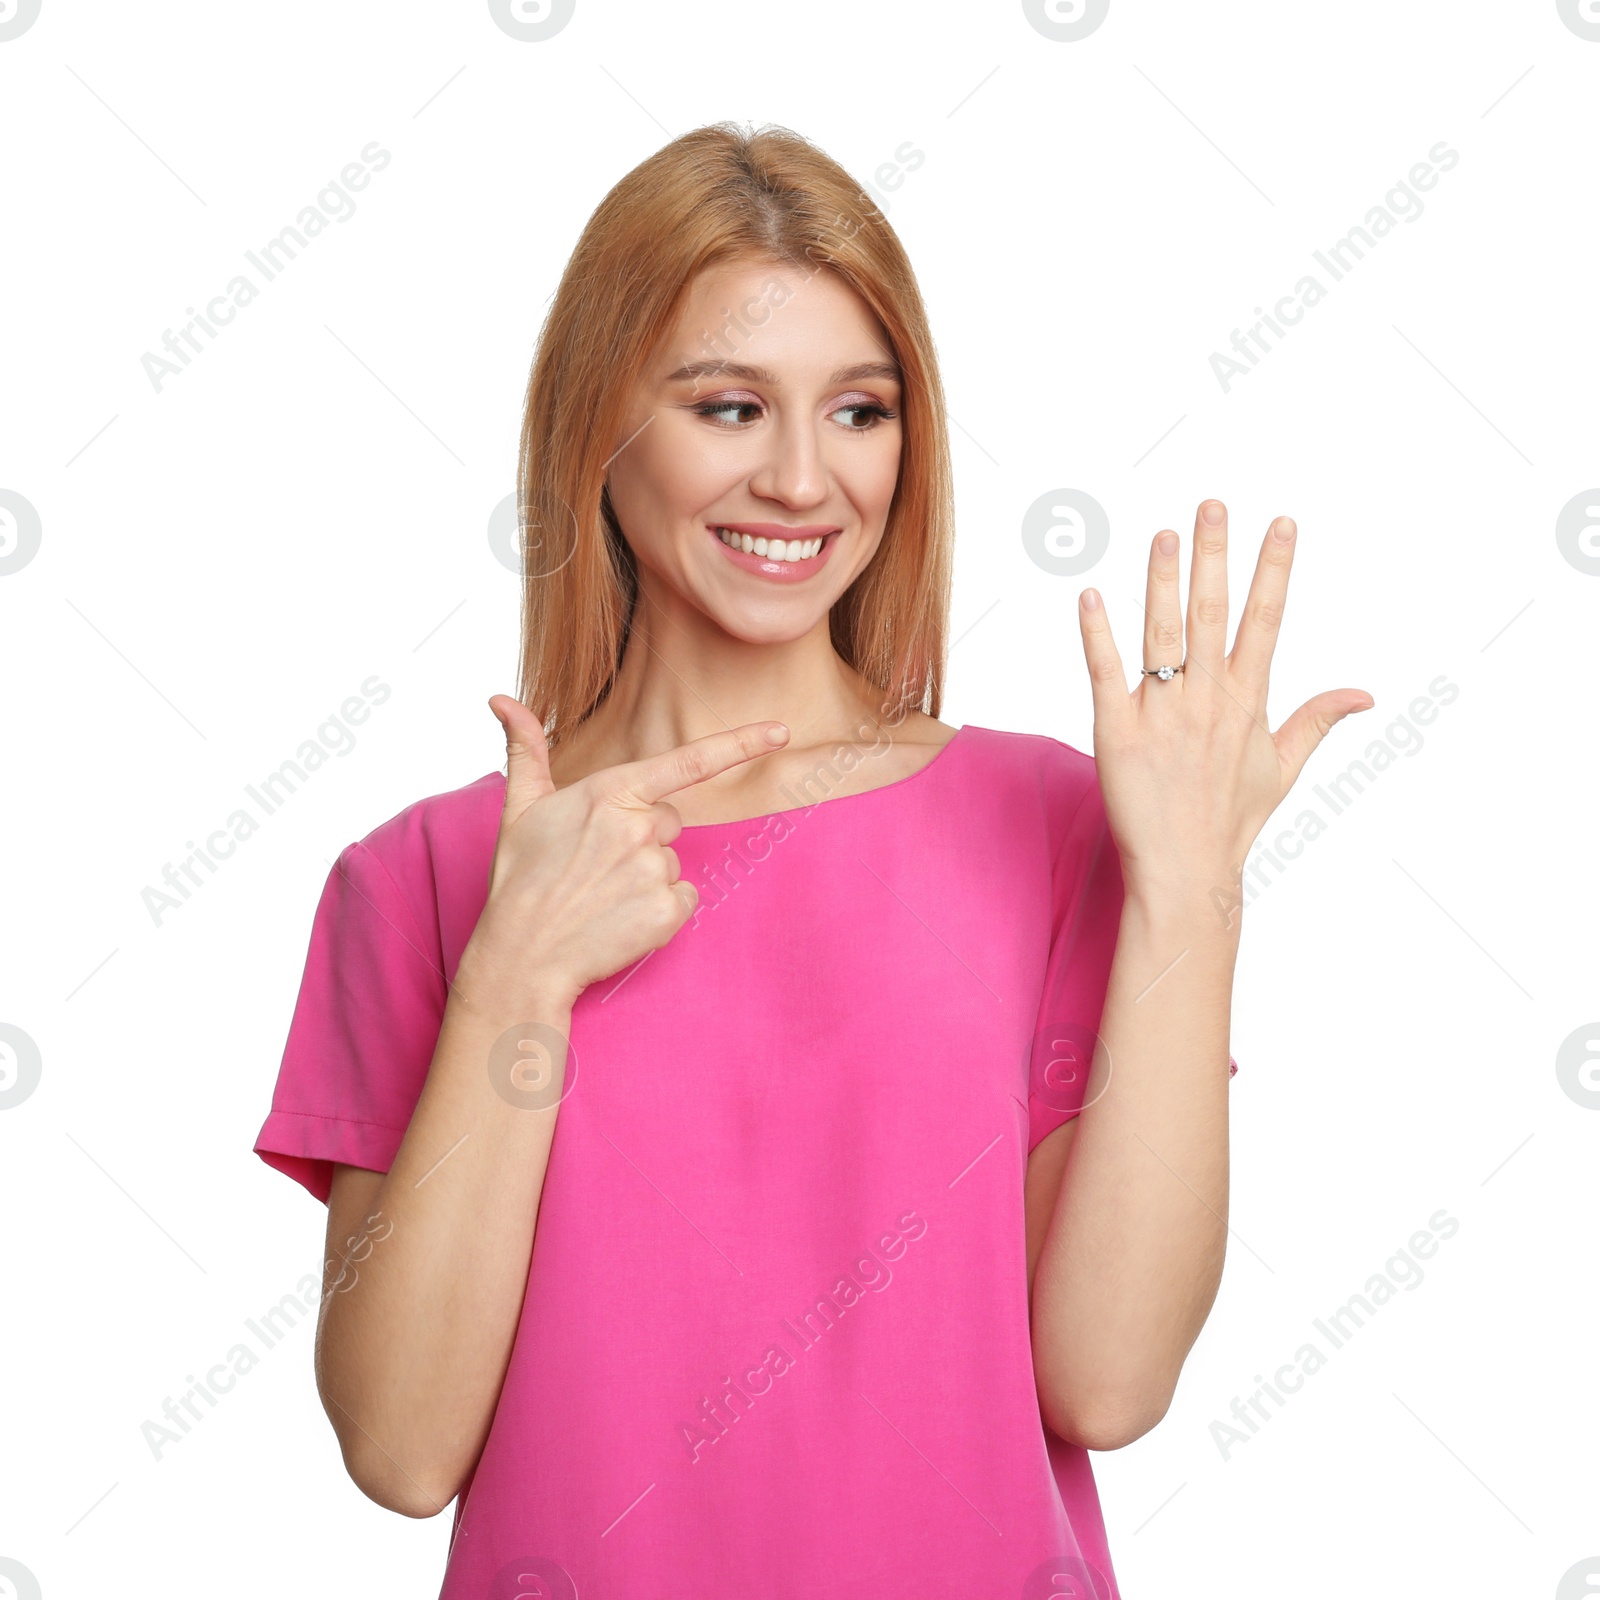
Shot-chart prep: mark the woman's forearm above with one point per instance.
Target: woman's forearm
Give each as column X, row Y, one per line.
column 412, row 1354
column 1134, row 1250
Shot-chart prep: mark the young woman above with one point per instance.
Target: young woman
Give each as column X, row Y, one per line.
column 770, row 1135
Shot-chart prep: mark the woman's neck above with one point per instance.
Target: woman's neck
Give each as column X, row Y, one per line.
column 683, row 678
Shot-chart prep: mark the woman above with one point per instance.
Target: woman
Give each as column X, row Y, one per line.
column 698, row 1106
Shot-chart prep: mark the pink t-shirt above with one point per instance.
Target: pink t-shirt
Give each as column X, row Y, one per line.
column 775, row 1340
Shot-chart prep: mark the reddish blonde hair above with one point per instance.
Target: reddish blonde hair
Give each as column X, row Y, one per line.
column 716, row 194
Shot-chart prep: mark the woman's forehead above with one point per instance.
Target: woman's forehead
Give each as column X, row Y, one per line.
column 756, row 321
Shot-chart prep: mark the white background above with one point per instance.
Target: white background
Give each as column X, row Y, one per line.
column 225, row 561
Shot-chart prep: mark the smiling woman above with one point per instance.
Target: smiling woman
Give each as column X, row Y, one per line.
column 769, row 369
column 725, row 438
column 630, row 1159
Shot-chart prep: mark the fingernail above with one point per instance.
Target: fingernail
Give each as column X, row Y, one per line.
column 776, row 733
column 1091, row 600
column 1211, row 511
column 1167, row 544
column 1283, row 529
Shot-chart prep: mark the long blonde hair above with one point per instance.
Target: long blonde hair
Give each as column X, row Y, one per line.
column 716, row 194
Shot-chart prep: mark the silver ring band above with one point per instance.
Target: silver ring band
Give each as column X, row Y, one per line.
column 1163, row 673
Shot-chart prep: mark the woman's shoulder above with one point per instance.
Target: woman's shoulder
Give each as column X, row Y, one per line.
column 1060, row 769
column 1042, row 796
column 443, row 827
column 1037, row 789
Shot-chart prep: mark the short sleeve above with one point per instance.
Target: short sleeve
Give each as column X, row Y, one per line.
column 1086, row 894
column 363, row 1033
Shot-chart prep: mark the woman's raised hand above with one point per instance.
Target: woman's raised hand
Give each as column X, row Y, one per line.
column 584, row 880
column 1188, row 767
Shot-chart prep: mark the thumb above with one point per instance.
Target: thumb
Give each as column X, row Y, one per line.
column 1311, row 724
column 527, row 754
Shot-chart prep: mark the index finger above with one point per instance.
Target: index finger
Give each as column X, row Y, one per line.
column 1263, row 608
column 655, row 777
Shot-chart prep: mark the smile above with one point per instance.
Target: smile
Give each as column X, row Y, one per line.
column 772, row 550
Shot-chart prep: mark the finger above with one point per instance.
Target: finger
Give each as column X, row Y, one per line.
column 1207, row 623
column 1309, row 726
column 1163, row 616
column 674, row 866
column 669, row 821
column 527, row 754
column 649, row 780
column 1251, row 657
column 1107, row 680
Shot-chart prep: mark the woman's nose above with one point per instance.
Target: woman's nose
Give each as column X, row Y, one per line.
column 793, row 470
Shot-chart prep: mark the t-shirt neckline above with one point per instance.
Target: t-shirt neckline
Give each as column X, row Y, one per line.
column 838, row 799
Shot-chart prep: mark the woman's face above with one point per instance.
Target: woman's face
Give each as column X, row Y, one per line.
column 771, row 412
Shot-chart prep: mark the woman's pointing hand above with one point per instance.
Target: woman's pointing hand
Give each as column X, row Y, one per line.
column 584, row 881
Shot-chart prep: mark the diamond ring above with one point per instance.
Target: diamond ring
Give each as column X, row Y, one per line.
column 1165, row 674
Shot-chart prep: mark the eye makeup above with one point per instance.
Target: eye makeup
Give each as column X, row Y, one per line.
column 710, row 409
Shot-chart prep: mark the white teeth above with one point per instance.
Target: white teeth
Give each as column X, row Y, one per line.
column 774, row 549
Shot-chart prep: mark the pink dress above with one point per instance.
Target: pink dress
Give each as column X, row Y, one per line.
column 775, row 1339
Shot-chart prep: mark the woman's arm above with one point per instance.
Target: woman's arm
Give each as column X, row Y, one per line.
column 1189, row 772
column 1135, row 1224
column 426, row 1269
column 428, row 1264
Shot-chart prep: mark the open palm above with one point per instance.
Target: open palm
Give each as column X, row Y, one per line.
column 1189, row 768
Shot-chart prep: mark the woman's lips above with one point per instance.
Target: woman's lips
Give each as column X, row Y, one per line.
column 776, row 570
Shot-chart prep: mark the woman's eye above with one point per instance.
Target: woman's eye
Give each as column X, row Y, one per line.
column 717, row 411
column 861, row 416
column 870, row 409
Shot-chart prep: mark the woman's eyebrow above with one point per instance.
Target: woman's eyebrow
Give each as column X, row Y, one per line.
column 738, row 369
